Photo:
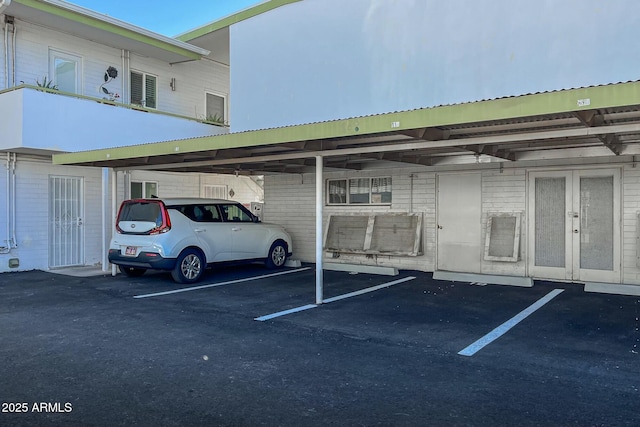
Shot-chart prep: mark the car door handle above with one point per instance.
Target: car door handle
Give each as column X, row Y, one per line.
column 199, row 230
column 236, row 229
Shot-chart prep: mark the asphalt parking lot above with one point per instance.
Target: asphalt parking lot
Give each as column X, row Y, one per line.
column 110, row 351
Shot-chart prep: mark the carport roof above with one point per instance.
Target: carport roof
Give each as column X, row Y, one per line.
column 596, row 121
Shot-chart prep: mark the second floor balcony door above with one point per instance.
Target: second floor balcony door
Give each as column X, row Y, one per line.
column 66, row 71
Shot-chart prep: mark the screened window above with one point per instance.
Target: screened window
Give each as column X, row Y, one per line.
column 359, row 191
column 144, row 89
column 215, row 191
column 66, row 71
column 143, row 189
column 215, row 105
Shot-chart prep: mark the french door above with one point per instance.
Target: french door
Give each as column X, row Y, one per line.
column 574, row 225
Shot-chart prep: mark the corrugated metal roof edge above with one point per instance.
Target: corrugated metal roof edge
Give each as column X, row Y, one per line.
column 476, row 111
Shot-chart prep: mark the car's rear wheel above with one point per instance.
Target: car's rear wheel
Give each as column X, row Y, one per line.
column 277, row 254
column 189, row 267
column 131, row 271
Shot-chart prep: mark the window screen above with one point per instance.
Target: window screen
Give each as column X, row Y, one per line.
column 338, row 191
column 502, row 241
column 346, row 233
column 550, row 222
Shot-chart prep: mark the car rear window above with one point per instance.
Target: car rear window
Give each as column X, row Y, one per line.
column 147, row 211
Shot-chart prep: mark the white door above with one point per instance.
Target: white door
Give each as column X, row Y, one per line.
column 574, row 225
column 66, row 231
column 459, row 228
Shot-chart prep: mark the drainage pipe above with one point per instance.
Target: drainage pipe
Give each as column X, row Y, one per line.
column 14, row 241
column 13, row 54
column 7, row 249
column 6, row 55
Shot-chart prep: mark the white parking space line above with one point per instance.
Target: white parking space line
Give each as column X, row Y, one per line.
column 285, row 312
column 196, row 288
column 506, row 326
column 364, row 291
column 333, row 299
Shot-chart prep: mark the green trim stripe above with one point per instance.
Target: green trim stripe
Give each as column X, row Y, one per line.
column 109, row 27
column 234, row 19
column 608, row 96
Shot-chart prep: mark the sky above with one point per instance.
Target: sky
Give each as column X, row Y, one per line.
column 167, row 18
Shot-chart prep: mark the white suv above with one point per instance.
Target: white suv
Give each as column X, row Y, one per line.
column 185, row 235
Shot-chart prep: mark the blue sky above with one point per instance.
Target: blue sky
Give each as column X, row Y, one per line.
column 167, row 18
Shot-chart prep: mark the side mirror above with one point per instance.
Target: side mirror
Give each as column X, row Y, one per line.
column 256, row 219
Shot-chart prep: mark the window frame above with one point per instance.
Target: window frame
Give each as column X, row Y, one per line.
column 515, row 247
column 144, row 188
column 143, row 101
column 347, row 196
column 70, row 57
column 224, row 105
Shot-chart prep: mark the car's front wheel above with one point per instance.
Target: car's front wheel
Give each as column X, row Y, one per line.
column 131, row 271
column 189, row 266
column 277, row 254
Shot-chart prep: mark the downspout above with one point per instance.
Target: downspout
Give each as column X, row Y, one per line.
column 7, row 249
column 6, row 55
column 13, row 54
column 14, row 241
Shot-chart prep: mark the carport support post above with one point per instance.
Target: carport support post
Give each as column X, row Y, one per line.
column 319, row 202
column 114, row 207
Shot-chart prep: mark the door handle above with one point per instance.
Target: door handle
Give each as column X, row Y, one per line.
column 199, row 230
column 236, row 229
column 439, row 227
column 576, row 231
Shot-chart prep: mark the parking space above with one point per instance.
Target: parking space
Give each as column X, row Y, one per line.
column 124, row 351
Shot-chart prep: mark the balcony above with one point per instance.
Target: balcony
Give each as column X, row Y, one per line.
column 34, row 119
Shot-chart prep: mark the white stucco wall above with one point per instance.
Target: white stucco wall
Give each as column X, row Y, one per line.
column 330, row 59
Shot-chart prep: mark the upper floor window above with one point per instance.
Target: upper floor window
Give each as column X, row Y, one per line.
column 66, row 71
column 367, row 191
column 215, row 107
column 144, row 89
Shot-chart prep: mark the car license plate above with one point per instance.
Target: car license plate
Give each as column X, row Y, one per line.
column 130, row 251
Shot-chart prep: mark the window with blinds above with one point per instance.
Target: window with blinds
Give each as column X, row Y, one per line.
column 143, row 89
column 359, row 191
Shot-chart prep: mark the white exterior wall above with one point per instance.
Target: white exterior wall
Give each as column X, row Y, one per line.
column 32, row 207
column 363, row 57
column 191, row 185
column 192, row 78
column 630, row 226
column 290, row 201
column 505, row 192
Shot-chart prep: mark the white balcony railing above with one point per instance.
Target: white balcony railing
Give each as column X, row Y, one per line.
column 32, row 117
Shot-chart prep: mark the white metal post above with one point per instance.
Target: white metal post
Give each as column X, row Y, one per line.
column 105, row 211
column 114, row 207
column 319, row 203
